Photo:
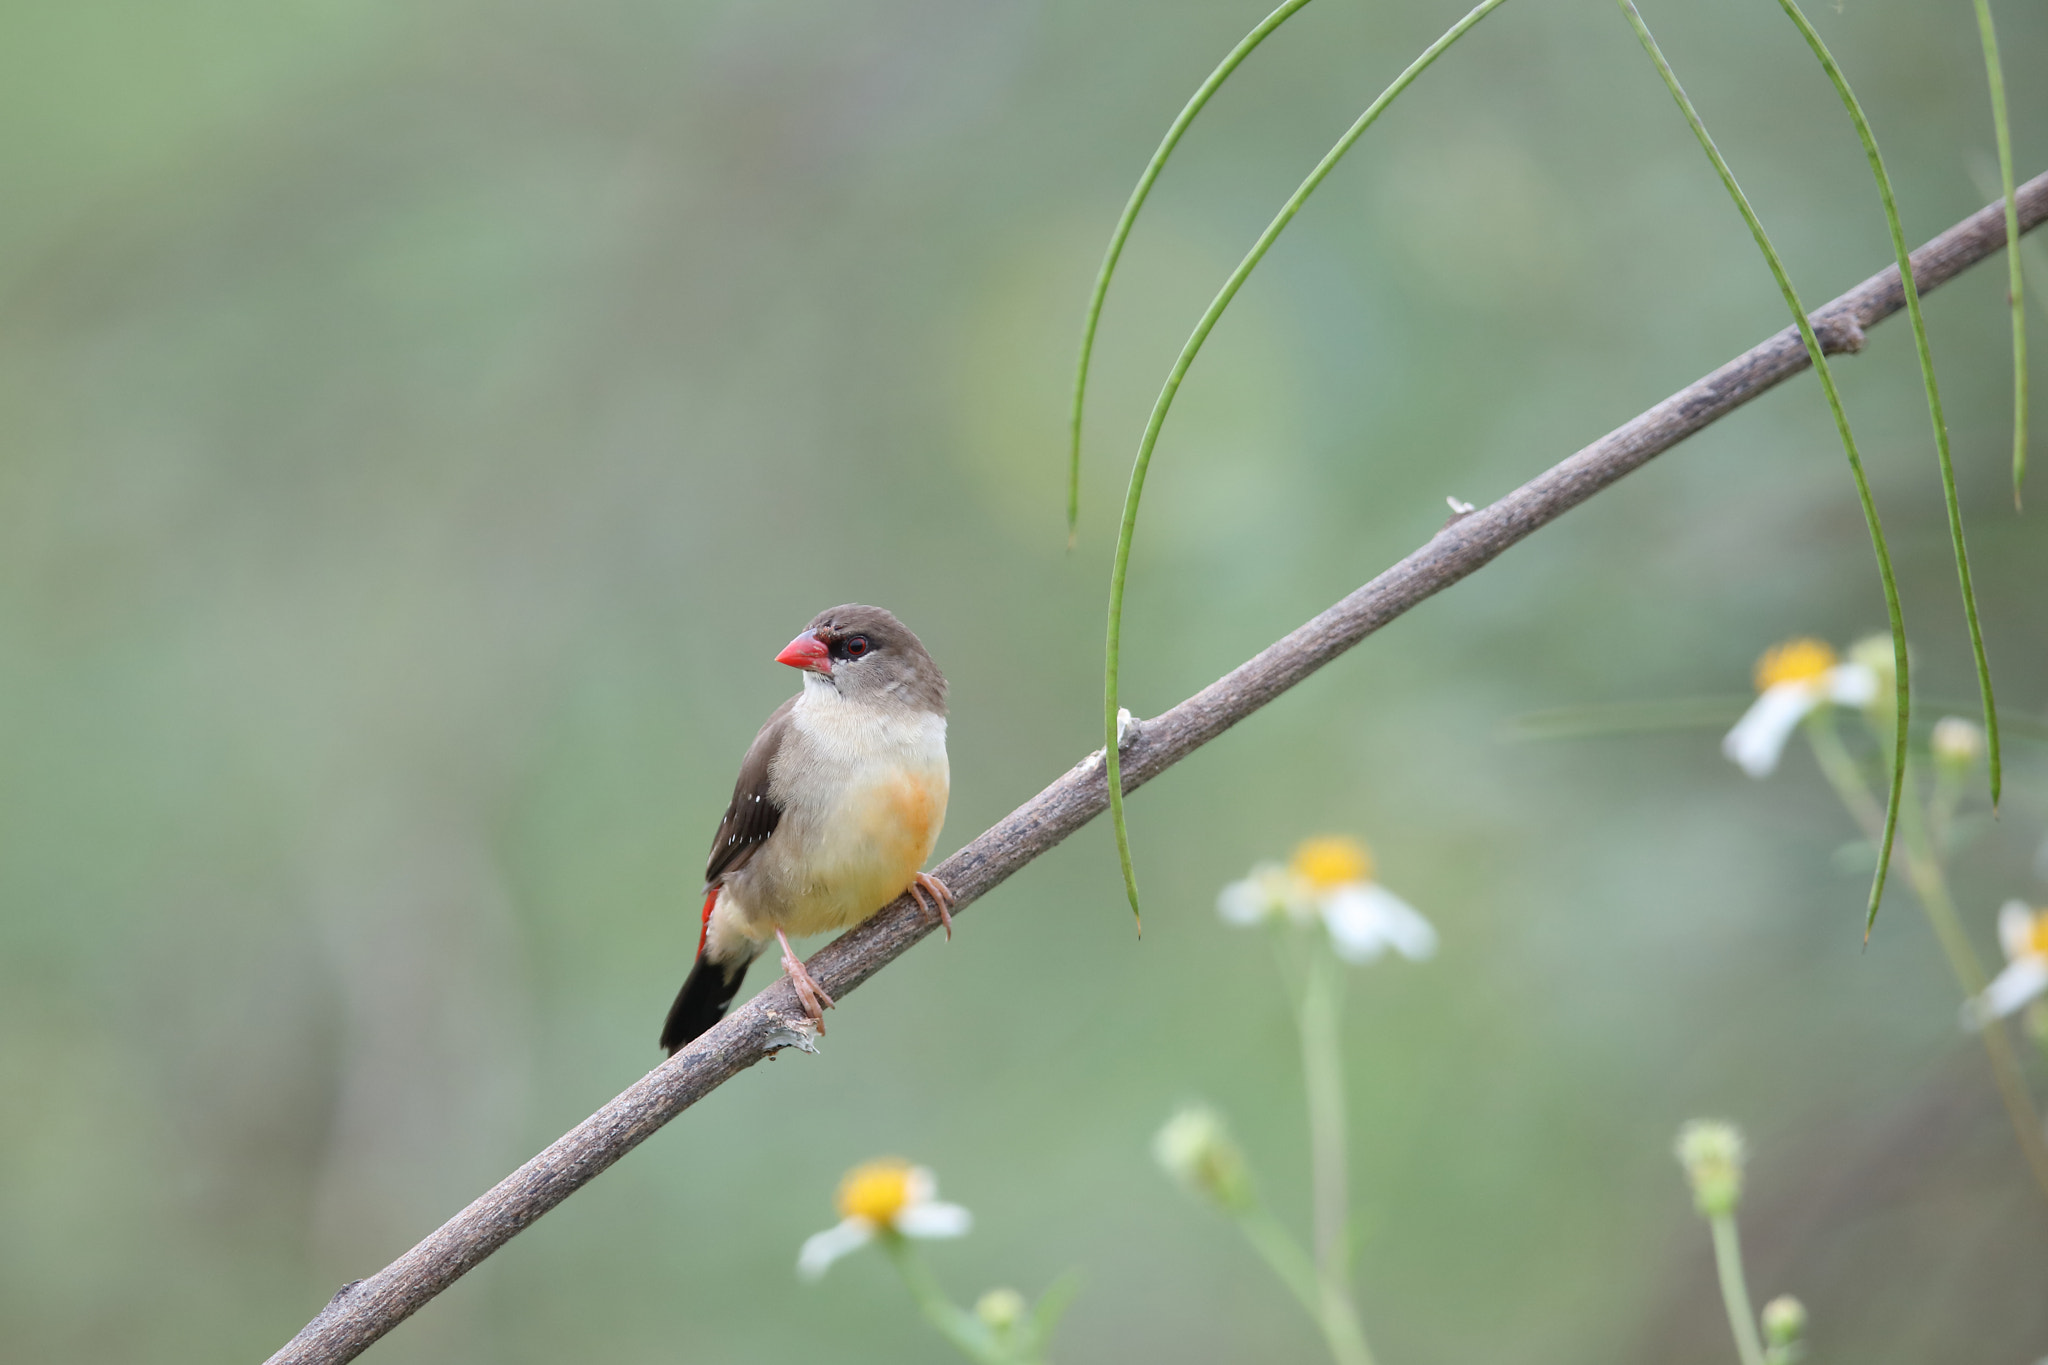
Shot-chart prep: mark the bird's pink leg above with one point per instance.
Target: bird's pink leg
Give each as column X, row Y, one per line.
column 808, row 992
column 924, row 883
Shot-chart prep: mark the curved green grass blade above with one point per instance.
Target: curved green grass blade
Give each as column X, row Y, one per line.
column 1994, row 74
column 1941, row 448
column 1827, row 382
column 1172, row 386
column 1123, row 230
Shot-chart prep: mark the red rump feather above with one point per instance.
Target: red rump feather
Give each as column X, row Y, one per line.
column 710, row 986
column 704, row 934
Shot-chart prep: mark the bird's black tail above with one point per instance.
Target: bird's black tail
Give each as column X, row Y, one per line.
column 702, row 1001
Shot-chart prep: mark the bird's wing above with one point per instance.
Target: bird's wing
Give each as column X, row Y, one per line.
column 753, row 814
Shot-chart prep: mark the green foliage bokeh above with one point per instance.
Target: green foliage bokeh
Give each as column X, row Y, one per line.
column 419, row 428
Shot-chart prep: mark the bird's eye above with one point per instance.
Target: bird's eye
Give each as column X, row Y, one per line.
column 856, row 646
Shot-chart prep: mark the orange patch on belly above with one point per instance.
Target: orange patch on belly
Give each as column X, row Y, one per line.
column 903, row 826
column 916, row 807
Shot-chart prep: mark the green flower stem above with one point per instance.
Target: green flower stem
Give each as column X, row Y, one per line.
column 1315, row 985
column 956, row 1324
column 1288, row 1262
column 1930, row 886
column 1735, row 1289
column 1322, row 1066
column 1322, row 1058
column 1911, row 289
column 1930, row 883
column 1821, row 369
column 1841, row 771
column 1036, row 1331
column 1342, row 1331
column 1123, row 231
column 1942, row 805
column 1994, row 74
column 1335, row 1317
column 1923, row 864
column 1127, row 529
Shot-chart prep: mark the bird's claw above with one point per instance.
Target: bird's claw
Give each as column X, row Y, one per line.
column 942, row 899
column 809, row 993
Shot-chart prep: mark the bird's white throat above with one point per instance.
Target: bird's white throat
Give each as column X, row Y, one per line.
column 848, row 730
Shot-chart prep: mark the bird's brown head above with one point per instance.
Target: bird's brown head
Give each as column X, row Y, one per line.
column 865, row 654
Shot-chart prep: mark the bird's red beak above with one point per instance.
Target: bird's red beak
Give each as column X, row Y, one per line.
column 807, row 651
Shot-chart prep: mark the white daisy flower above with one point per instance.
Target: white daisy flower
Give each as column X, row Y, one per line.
column 2023, row 933
column 1331, row 879
column 1793, row 679
column 885, row 1198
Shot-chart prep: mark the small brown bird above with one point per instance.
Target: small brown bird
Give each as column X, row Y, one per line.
column 838, row 804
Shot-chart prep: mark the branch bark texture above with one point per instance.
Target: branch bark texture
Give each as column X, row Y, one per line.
column 366, row 1309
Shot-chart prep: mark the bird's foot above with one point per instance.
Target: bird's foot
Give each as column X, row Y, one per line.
column 809, row 993
column 925, row 883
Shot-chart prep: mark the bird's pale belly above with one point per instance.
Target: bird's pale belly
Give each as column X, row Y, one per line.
column 851, row 860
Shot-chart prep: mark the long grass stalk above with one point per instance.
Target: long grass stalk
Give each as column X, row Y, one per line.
column 1160, row 407
column 1994, row 75
column 1818, row 355
column 1934, row 413
column 1123, row 230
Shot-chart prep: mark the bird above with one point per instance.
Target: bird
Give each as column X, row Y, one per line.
column 838, row 805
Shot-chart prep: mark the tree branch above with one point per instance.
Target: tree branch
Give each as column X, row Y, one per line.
column 367, row 1309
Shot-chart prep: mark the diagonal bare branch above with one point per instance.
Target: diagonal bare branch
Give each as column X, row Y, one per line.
column 367, row 1309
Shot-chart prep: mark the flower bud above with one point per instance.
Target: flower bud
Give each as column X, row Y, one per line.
column 1784, row 1320
column 1957, row 743
column 1196, row 1149
column 1001, row 1309
column 1712, row 1154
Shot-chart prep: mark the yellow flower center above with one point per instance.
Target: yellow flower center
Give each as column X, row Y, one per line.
column 876, row 1191
column 2037, row 934
column 1794, row 661
column 1332, row 861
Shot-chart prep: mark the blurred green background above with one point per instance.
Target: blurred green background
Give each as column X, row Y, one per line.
column 421, row 425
